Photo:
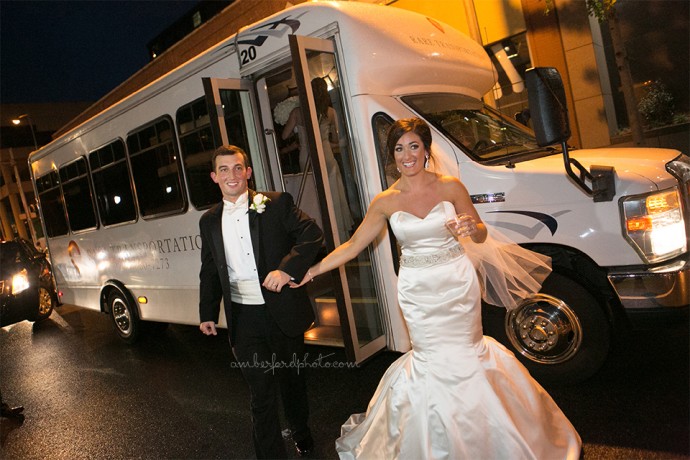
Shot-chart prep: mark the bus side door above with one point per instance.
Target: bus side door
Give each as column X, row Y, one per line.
column 234, row 121
column 354, row 285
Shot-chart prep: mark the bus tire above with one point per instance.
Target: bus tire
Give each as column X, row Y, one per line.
column 561, row 334
column 125, row 317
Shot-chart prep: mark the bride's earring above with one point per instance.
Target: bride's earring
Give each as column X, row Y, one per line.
column 398, row 169
column 426, row 161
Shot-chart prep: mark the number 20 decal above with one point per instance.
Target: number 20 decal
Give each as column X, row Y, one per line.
column 248, row 55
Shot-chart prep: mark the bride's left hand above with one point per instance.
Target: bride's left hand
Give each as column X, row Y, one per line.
column 462, row 225
column 307, row 277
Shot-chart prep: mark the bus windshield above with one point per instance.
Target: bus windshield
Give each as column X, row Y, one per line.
column 481, row 132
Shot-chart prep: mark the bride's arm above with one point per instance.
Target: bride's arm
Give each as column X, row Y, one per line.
column 374, row 221
column 333, row 135
column 471, row 226
column 290, row 123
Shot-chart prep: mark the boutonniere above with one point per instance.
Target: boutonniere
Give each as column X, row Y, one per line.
column 259, row 203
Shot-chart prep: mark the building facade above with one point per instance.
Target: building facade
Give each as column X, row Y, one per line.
column 23, row 129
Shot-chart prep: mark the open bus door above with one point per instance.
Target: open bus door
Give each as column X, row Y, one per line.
column 234, row 122
column 353, row 287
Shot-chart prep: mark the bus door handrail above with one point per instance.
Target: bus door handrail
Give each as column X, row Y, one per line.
column 272, row 133
column 303, row 182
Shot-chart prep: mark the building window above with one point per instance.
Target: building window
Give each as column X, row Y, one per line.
column 511, row 60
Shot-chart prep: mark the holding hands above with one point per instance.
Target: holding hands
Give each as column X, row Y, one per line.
column 275, row 280
column 307, row 277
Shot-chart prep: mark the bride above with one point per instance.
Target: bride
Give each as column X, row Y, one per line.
column 456, row 394
column 329, row 135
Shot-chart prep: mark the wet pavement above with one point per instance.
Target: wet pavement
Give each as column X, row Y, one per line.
column 176, row 394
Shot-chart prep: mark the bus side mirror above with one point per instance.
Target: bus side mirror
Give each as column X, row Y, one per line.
column 547, row 105
column 549, row 110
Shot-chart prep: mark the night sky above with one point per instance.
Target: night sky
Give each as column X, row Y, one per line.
column 60, row 51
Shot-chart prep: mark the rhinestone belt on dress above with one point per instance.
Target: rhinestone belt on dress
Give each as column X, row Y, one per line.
column 433, row 258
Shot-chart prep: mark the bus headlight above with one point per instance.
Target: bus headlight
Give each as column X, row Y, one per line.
column 654, row 226
column 20, row 282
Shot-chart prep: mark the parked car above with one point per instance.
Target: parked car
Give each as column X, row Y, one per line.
column 27, row 287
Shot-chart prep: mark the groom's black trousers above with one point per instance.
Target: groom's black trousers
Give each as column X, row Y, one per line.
column 268, row 360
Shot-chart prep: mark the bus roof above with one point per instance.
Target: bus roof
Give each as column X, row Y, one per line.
column 385, row 50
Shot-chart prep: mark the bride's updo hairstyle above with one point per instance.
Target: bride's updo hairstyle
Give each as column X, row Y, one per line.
column 406, row 125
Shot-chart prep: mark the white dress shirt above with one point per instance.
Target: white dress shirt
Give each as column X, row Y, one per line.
column 239, row 253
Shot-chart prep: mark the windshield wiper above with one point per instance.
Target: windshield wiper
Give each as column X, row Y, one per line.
column 518, row 156
column 494, row 147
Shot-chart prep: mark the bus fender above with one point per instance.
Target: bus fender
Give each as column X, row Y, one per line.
column 119, row 286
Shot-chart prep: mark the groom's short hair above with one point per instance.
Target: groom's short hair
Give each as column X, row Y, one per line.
column 229, row 150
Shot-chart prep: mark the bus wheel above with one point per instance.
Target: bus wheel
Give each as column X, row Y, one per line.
column 125, row 317
column 561, row 334
column 46, row 304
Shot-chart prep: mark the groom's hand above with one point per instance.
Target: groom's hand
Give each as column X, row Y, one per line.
column 275, row 280
column 208, row 328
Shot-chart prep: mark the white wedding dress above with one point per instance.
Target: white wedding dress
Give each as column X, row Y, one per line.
column 457, row 394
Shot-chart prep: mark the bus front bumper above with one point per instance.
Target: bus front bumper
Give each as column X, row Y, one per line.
column 662, row 287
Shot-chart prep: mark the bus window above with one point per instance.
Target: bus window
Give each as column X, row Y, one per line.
column 81, row 214
column 113, row 194
column 389, row 173
column 156, row 169
column 196, row 144
column 53, row 208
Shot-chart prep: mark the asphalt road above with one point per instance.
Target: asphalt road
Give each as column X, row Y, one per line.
column 176, row 394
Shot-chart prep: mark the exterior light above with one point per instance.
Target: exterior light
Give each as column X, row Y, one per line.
column 17, row 121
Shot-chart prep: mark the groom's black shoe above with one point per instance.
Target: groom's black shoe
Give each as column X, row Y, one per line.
column 304, row 446
column 16, row 412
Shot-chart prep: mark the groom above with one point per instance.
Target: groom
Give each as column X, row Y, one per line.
column 252, row 245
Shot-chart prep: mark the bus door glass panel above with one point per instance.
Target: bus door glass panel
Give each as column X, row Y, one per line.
column 233, row 122
column 352, row 287
column 286, row 142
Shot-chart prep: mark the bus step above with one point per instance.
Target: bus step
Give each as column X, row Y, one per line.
column 330, row 336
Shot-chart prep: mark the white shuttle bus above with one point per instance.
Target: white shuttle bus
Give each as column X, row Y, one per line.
column 121, row 194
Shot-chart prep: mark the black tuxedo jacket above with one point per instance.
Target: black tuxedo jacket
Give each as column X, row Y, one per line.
column 283, row 238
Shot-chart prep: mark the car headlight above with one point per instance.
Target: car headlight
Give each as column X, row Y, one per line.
column 653, row 224
column 20, row 282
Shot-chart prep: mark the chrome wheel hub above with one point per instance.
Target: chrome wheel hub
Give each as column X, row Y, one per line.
column 121, row 316
column 544, row 329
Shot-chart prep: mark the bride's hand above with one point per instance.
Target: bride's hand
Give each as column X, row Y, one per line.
column 307, row 277
column 461, row 225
